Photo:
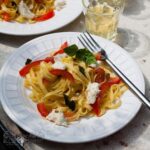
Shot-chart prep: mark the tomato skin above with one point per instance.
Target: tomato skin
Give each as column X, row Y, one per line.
column 98, row 56
column 42, row 109
column 65, row 74
column 46, row 16
column 61, row 49
column 64, row 45
column 100, row 75
column 68, row 114
column 6, row 16
column 96, row 105
column 115, row 80
column 45, row 81
column 27, row 67
column 103, row 89
column 5, row 1
column 49, row 59
column 38, row 1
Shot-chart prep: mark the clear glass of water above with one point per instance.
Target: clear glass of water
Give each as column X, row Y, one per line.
column 102, row 16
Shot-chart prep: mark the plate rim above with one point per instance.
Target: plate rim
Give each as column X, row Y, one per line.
column 26, row 128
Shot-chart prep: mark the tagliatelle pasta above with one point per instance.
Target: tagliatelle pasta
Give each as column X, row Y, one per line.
column 27, row 10
column 81, row 86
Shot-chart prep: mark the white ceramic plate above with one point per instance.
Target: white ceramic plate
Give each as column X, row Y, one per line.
column 71, row 11
column 24, row 113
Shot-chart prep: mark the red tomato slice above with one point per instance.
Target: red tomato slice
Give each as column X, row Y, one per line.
column 42, row 109
column 96, row 105
column 104, row 88
column 45, row 81
column 38, row 1
column 64, row 45
column 49, row 59
column 27, row 67
column 5, row 16
column 5, row 1
column 68, row 114
column 100, row 77
column 115, row 80
column 98, row 56
column 61, row 49
column 65, row 74
column 46, row 16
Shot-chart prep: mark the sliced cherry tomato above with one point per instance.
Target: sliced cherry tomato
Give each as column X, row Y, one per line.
column 42, row 109
column 46, row 16
column 27, row 67
column 49, row 59
column 100, row 75
column 115, row 80
column 45, row 81
column 96, row 105
column 61, row 49
column 5, row 1
column 65, row 74
column 98, row 56
column 64, row 45
column 68, row 114
column 38, row 1
column 103, row 89
column 6, row 16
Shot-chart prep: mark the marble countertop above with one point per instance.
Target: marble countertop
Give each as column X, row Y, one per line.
column 134, row 36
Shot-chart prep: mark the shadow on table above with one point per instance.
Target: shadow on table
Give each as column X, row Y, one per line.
column 134, row 7
column 134, row 42
column 129, row 134
column 137, row 9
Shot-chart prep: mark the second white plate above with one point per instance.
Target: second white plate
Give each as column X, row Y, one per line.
column 71, row 11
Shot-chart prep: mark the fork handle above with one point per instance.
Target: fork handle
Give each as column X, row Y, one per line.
column 142, row 97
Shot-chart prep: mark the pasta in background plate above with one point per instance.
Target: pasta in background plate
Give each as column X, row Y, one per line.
column 72, row 83
column 29, row 10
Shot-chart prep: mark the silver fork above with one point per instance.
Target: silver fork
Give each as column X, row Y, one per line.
column 89, row 42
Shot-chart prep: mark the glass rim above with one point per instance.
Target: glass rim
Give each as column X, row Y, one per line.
column 117, row 11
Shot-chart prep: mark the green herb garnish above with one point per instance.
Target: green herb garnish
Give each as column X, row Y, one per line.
column 71, row 50
column 86, row 56
column 71, row 104
column 82, row 70
column 80, row 54
column 28, row 61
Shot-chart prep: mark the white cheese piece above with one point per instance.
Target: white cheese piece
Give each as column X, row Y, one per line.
column 92, row 91
column 59, row 65
column 57, row 117
column 25, row 11
column 59, row 57
column 93, row 65
column 60, row 4
column 99, row 62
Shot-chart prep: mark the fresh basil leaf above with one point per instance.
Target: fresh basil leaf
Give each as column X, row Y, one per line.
column 69, row 103
column 86, row 56
column 71, row 50
column 82, row 70
column 28, row 61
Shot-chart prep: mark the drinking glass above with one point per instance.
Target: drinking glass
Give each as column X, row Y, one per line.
column 102, row 16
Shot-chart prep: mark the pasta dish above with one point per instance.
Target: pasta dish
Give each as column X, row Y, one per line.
column 29, row 10
column 72, row 83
